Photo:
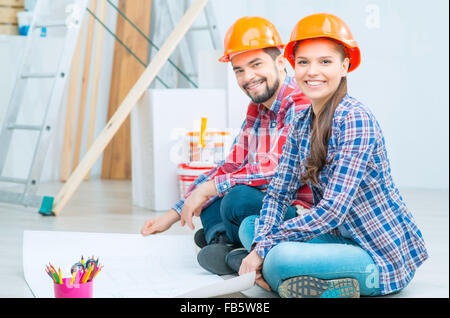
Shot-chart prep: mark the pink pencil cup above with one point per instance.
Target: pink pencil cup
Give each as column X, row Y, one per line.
column 68, row 290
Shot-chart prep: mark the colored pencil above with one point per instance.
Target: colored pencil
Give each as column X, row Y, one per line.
column 49, row 274
column 94, row 270
column 54, row 274
column 60, row 276
column 98, row 270
column 52, row 267
column 82, row 275
column 73, row 277
column 77, row 278
column 80, row 280
column 88, row 274
column 56, row 278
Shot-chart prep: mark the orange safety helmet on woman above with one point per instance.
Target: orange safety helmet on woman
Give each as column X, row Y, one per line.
column 250, row 33
column 324, row 25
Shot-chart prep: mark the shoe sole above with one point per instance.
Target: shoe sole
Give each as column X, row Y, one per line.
column 311, row 287
column 212, row 258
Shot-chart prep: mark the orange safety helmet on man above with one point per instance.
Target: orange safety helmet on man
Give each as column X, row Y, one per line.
column 324, row 25
column 250, row 33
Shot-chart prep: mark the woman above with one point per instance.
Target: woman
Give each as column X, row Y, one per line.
column 359, row 238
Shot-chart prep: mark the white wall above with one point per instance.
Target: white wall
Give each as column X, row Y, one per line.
column 403, row 76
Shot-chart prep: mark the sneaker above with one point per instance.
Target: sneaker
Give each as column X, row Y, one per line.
column 219, row 238
column 234, row 258
column 311, row 287
column 199, row 238
column 212, row 258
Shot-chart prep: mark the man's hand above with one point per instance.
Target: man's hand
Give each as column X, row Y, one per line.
column 195, row 201
column 253, row 262
column 160, row 224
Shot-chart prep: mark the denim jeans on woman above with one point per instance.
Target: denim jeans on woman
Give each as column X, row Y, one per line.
column 325, row 257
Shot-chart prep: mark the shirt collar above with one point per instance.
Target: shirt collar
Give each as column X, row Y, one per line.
column 306, row 115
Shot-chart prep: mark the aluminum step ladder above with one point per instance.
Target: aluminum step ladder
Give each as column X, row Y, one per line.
column 69, row 18
column 187, row 57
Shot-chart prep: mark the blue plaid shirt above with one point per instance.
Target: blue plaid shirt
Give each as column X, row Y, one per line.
column 355, row 191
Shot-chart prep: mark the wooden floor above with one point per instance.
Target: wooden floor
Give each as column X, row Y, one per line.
column 106, row 206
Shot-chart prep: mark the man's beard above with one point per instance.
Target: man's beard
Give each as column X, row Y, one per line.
column 267, row 94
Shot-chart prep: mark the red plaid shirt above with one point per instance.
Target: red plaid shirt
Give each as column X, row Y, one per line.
column 257, row 149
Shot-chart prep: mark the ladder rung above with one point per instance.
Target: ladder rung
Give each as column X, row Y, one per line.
column 13, row 180
column 16, row 198
column 24, row 127
column 50, row 24
column 38, row 75
column 199, row 28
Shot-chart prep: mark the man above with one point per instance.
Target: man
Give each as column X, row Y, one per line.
column 234, row 189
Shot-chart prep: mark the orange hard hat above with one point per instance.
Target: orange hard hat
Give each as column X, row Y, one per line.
column 324, row 25
column 250, row 33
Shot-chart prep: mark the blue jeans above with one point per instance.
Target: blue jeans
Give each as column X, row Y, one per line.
column 227, row 213
column 325, row 257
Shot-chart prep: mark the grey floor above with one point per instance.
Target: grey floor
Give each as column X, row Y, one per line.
column 106, row 206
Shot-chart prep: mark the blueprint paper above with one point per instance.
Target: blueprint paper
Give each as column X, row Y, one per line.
column 134, row 266
column 225, row 287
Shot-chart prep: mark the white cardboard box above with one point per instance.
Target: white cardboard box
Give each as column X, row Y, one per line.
column 157, row 122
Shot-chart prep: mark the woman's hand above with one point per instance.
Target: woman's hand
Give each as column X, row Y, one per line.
column 253, row 262
column 194, row 202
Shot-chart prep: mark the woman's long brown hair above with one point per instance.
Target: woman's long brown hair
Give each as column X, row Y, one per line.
column 320, row 134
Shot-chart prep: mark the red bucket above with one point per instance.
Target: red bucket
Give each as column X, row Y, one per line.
column 188, row 173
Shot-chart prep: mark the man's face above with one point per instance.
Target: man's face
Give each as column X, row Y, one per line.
column 258, row 74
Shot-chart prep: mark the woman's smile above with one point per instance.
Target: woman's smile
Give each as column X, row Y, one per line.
column 315, row 84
